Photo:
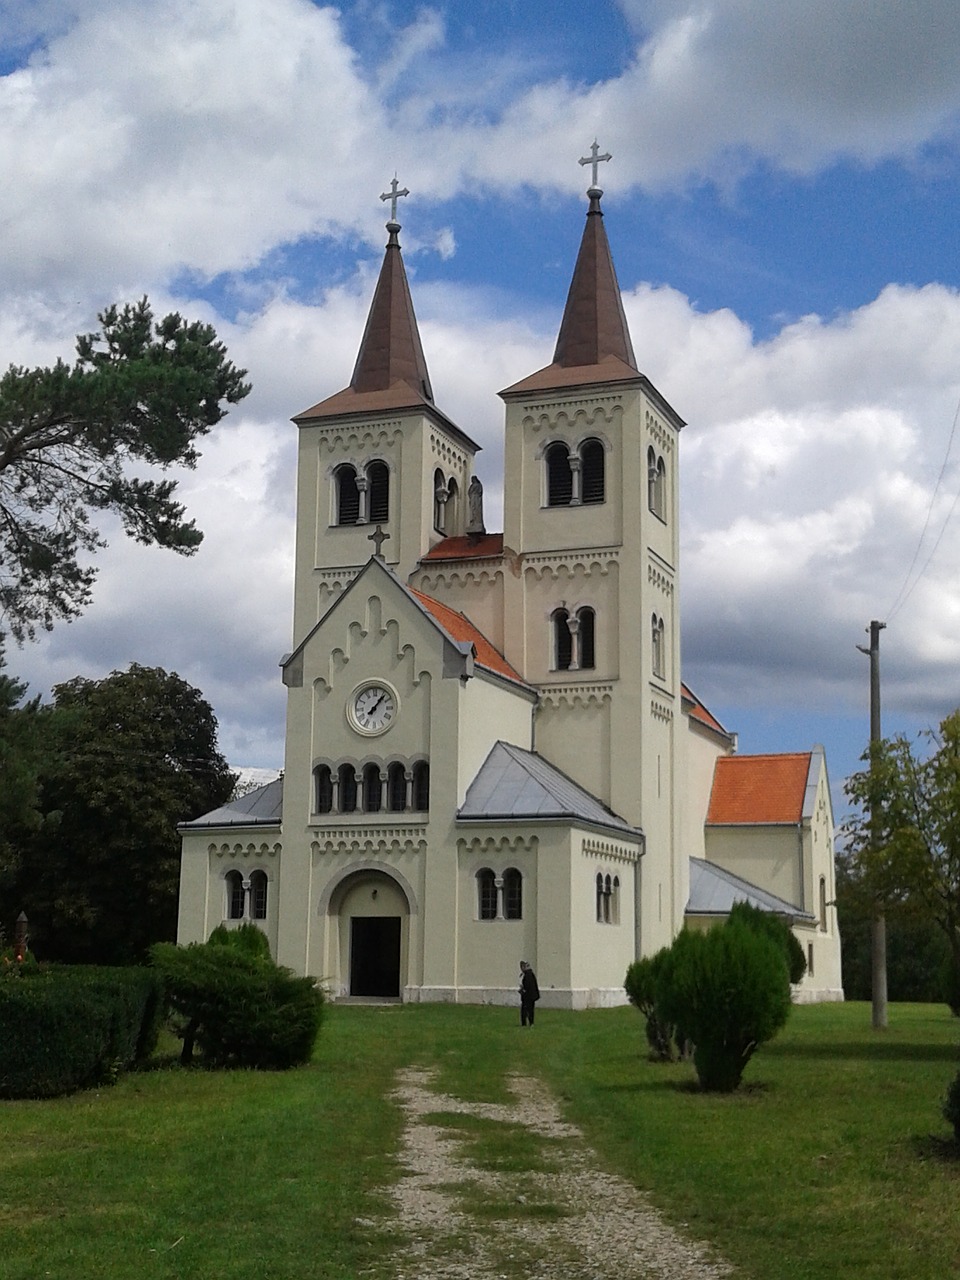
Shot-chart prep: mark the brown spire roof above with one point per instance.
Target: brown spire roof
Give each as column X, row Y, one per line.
column 391, row 371
column 594, row 343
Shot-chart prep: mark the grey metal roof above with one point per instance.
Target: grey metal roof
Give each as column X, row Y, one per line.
column 517, row 784
column 260, row 808
column 714, row 890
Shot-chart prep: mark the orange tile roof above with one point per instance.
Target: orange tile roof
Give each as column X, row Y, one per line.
column 699, row 712
column 459, row 627
column 755, row 789
column 473, row 546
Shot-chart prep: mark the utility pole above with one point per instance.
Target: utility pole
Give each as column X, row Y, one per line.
column 878, row 930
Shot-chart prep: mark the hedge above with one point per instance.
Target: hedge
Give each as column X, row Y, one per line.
column 70, row 1028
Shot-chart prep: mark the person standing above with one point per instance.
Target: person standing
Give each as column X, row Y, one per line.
column 529, row 994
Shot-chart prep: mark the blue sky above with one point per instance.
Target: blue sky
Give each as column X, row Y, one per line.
column 782, row 209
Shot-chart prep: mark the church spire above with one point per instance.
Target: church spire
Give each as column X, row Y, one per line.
column 594, row 341
column 390, row 350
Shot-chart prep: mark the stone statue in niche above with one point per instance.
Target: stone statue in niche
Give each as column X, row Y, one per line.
column 475, row 523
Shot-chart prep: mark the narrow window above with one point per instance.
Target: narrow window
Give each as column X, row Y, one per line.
column 810, row 959
column 347, row 776
column 396, row 787
column 656, row 638
column 421, row 786
column 661, row 489
column 258, row 895
column 599, row 897
column 486, row 894
column 615, row 901
column 585, row 633
column 562, row 640
column 235, row 895
column 656, row 484
column 651, row 479
column 607, row 893
column 559, row 476
column 439, row 502
column 378, row 477
column 591, row 470
column 513, row 894
column 324, row 788
column 372, row 790
column 348, row 496
column 823, row 903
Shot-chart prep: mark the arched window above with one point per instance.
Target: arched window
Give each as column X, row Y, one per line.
column 235, row 895
column 348, row 495
column 512, row 894
column 585, row 637
column 559, row 476
column 258, row 895
column 440, row 495
column 486, row 894
column 657, row 642
column 421, row 786
column 562, row 640
column 656, row 484
column 592, row 471
column 378, row 496
column 599, row 897
column 347, row 777
column 396, row 787
column 615, row 901
column 607, row 894
column 372, row 789
column 323, row 798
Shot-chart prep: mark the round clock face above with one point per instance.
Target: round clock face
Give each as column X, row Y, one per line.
column 373, row 708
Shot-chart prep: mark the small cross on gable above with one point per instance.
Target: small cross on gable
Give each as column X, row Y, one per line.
column 378, row 538
column 393, row 195
column 594, row 159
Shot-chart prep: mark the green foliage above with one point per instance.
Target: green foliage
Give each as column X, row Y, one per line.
column 730, row 991
column 951, row 1106
column 777, row 929
column 126, row 759
column 641, row 986
column 71, row 437
column 238, row 1007
column 903, row 839
column 69, row 1028
column 246, row 938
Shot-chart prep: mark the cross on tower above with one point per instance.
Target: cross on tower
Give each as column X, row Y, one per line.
column 378, row 538
column 594, row 159
column 393, row 195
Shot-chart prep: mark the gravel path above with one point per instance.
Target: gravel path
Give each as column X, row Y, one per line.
column 568, row 1221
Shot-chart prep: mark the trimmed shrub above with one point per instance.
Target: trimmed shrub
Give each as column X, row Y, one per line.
column 238, row 1008
column 71, row 1028
column 247, row 938
column 776, row 928
column 730, row 991
column 951, row 1107
column 640, row 985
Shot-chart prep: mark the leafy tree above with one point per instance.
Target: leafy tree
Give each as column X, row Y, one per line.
column 138, row 394
column 21, row 736
column 128, row 758
column 904, row 838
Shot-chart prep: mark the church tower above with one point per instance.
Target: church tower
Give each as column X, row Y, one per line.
column 378, row 458
column 591, row 613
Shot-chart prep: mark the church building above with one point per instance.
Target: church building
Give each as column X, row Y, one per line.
column 490, row 751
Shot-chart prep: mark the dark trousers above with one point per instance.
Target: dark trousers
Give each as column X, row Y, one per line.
column 526, row 1011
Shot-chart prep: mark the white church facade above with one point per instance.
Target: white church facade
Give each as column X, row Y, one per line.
column 490, row 752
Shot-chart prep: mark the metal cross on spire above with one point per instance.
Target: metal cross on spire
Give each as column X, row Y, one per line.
column 594, row 159
column 393, row 195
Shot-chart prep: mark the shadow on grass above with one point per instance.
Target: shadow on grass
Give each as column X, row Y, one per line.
column 856, row 1050
column 685, row 1086
column 932, row 1146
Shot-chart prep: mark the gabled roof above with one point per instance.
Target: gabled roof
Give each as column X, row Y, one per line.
column 472, row 546
column 513, row 784
column 260, row 808
column 459, row 627
column 748, row 790
column 697, row 711
column 714, row 890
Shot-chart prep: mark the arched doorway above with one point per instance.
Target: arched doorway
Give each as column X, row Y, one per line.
column 373, row 914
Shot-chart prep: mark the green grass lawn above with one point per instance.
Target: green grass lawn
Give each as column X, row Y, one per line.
column 831, row 1162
